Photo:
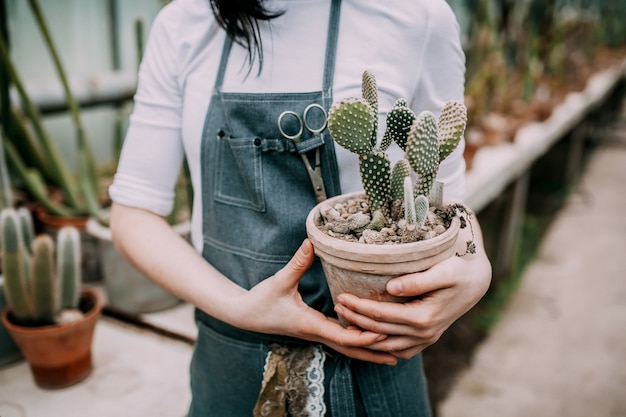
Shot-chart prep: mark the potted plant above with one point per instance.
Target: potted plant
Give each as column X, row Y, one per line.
column 35, row 157
column 9, row 352
column 48, row 315
column 397, row 226
column 56, row 195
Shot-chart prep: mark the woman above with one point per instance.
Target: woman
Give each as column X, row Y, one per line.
column 215, row 77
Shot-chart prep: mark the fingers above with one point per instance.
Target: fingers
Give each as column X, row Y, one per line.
column 355, row 342
column 382, row 318
column 351, row 341
column 438, row 277
column 324, row 329
column 367, row 355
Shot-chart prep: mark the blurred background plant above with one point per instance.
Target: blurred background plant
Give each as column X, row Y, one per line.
column 58, row 169
column 524, row 57
column 33, row 153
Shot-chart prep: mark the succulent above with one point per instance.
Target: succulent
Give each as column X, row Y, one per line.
column 36, row 287
column 427, row 141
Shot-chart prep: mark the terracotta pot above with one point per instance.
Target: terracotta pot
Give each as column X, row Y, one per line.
column 364, row 269
column 59, row 355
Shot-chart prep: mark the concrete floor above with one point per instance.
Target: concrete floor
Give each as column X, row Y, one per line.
column 560, row 346
column 136, row 373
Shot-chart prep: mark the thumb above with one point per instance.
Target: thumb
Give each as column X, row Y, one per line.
column 299, row 263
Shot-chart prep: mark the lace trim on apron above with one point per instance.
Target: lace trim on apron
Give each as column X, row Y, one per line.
column 293, row 383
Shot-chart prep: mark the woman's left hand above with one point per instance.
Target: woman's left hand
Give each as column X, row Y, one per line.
column 444, row 293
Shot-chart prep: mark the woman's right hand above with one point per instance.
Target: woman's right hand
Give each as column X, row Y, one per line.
column 275, row 306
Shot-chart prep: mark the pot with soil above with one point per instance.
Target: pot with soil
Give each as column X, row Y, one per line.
column 49, row 317
column 400, row 225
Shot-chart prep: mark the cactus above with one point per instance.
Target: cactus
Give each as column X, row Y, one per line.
column 15, row 266
column 427, row 141
column 36, row 289
column 42, row 279
column 422, row 151
column 69, row 271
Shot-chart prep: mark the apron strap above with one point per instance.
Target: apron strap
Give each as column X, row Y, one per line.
column 219, row 80
column 331, row 45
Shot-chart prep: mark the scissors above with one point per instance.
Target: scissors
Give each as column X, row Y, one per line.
column 315, row 175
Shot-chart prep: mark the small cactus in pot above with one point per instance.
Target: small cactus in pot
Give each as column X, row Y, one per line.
column 42, row 280
column 399, row 207
column 400, row 225
column 48, row 315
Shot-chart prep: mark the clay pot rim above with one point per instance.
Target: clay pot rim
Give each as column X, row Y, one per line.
column 334, row 245
column 95, row 311
column 52, row 220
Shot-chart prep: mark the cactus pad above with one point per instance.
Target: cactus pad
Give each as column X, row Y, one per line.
column 369, row 90
column 421, row 209
column 452, row 122
column 350, row 122
column 400, row 171
column 375, row 174
column 399, row 121
column 422, row 150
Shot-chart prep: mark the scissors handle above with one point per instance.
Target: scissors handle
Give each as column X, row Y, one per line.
column 315, row 174
column 302, row 122
column 305, row 119
column 296, row 137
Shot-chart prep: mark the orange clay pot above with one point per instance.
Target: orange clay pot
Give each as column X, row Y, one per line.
column 59, row 355
column 364, row 269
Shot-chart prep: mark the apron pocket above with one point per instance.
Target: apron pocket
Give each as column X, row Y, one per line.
column 239, row 173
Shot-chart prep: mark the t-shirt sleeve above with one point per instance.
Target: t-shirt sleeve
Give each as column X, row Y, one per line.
column 152, row 153
column 442, row 79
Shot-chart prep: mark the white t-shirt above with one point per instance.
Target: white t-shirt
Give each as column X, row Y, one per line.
column 412, row 48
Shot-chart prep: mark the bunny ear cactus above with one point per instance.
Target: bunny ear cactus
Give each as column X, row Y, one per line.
column 351, row 123
column 36, row 289
column 426, row 141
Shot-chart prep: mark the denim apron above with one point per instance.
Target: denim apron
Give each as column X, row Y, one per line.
column 256, row 194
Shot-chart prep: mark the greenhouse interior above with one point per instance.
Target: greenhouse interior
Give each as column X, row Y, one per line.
column 544, row 136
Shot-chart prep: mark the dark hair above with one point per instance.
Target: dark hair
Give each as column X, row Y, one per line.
column 240, row 19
